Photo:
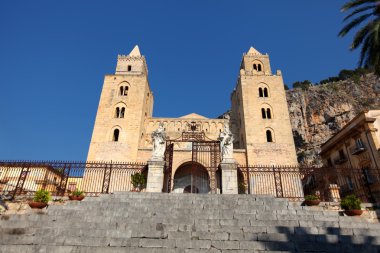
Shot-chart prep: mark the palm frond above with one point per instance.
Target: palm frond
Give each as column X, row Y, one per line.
column 359, row 10
column 370, row 52
column 355, row 3
column 361, row 34
column 353, row 24
column 363, row 53
column 376, row 32
column 373, row 59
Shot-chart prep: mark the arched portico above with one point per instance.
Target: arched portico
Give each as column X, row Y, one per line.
column 191, row 177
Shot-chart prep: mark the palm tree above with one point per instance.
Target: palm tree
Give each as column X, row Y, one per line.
column 369, row 35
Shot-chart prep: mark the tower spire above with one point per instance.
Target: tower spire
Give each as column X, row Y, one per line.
column 253, row 51
column 135, row 51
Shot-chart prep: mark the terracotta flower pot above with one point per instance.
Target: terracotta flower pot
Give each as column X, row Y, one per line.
column 312, row 202
column 37, row 205
column 353, row 212
column 79, row 198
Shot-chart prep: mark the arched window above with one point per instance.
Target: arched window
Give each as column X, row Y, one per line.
column 255, row 66
column 266, row 112
column 269, row 136
column 122, row 111
column 263, row 114
column 265, row 92
column 259, row 67
column 123, row 91
column 117, row 112
column 269, row 115
column 261, row 92
column 116, row 135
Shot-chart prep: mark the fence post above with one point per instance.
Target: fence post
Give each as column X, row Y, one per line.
column 64, row 178
column 21, row 180
column 107, row 178
column 277, row 183
column 248, row 179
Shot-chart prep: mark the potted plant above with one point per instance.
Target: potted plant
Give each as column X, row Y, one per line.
column 312, row 200
column 40, row 199
column 138, row 181
column 351, row 205
column 76, row 195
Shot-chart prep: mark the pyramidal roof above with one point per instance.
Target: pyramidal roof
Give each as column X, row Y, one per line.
column 253, row 51
column 193, row 116
column 135, row 51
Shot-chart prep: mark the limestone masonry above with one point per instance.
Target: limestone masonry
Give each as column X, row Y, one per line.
column 258, row 124
column 259, row 117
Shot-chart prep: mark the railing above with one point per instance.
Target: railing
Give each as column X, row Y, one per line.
column 60, row 178
column 357, row 149
column 340, row 160
column 295, row 182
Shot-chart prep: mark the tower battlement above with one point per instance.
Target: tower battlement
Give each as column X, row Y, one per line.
column 132, row 63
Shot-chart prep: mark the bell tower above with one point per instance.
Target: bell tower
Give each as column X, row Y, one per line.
column 259, row 113
column 125, row 102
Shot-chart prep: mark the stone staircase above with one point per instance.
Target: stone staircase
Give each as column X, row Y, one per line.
column 148, row 222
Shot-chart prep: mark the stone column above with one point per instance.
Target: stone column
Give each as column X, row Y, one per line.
column 155, row 180
column 334, row 193
column 229, row 177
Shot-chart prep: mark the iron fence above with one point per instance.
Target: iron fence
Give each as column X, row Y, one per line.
column 61, row 177
column 295, row 182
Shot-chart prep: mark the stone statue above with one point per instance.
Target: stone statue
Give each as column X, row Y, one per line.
column 226, row 144
column 159, row 143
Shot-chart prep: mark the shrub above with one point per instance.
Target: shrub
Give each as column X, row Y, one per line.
column 77, row 193
column 138, row 180
column 311, row 197
column 42, row 196
column 304, row 85
column 347, row 74
column 351, row 202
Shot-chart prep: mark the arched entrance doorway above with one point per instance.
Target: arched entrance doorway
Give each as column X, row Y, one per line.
column 191, row 177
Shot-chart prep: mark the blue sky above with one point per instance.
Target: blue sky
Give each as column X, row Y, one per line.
column 54, row 55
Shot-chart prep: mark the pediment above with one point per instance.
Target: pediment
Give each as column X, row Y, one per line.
column 193, row 116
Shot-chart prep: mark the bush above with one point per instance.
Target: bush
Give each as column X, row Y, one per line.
column 347, row 74
column 42, row 196
column 304, row 85
column 311, row 197
column 138, row 180
column 351, row 202
column 330, row 80
column 77, row 193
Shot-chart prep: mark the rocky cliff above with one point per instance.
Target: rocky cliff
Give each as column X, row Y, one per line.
column 318, row 112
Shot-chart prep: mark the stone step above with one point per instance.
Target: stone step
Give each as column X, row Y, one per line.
column 263, row 243
column 77, row 220
column 145, row 222
column 207, row 205
column 224, row 225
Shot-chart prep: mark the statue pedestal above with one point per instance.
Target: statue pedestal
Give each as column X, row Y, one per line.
column 155, row 180
column 229, row 177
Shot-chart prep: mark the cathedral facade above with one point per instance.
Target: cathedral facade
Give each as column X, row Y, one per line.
column 258, row 120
